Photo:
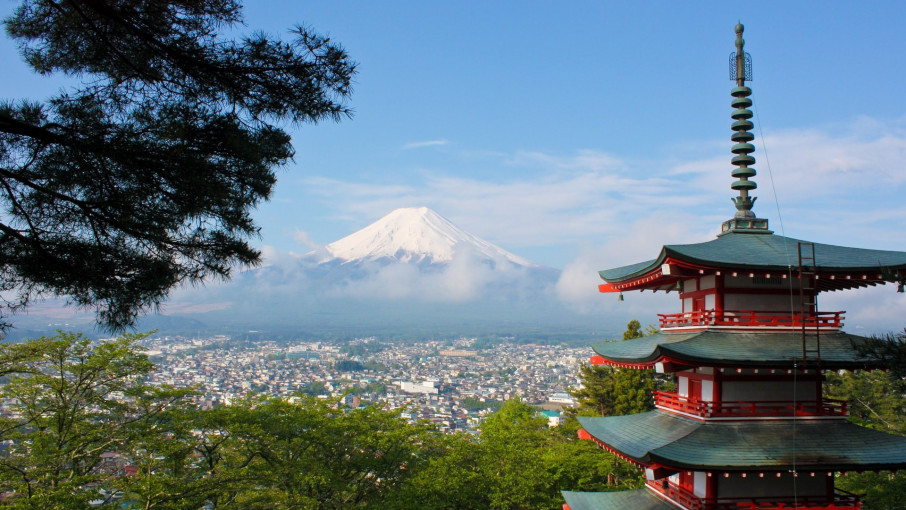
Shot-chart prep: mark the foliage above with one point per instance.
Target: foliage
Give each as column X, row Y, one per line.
column 362, row 349
column 314, row 389
column 515, row 463
column 348, row 365
column 890, row 349
column 72, row 401
column 581, row 465
column 86, row 429
column 880, row 491
column 516, row 436
column 633, row 330
column 312, row 454
column 144, row 175
column 876, row 400
column 611, row 391
column 475, row 404
column 375, row 388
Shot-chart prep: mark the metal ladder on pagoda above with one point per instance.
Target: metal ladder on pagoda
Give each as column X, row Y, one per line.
column 808, row 301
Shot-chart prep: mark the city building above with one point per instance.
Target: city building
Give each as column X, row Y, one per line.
column 748, row 426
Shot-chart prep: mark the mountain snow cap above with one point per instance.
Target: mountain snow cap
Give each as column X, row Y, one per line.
column 416, row 234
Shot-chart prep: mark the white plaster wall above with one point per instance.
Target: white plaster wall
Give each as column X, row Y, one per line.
column 707, row 391
column 700, row 484
column 682, row 386
column 710, row 302
column 707, row 282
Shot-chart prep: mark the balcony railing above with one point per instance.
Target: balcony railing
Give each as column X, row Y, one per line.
column 743, row 409
column 840, row 501
column 748, row 318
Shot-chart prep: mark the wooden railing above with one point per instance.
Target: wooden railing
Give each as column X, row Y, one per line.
column 840, row 501
column 748, row 318
column 743, row 409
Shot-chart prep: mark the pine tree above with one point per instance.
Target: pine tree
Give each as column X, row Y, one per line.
column 611, row 391
column 145, row 175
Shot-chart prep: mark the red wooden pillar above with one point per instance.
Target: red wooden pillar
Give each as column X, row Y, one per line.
column 716, row 395
column 711, row 489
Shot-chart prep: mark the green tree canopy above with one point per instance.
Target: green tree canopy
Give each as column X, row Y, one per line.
column 517, row 462
column 86, row 429
column 876, row 400
column 610, row 391
column 71, row 402
column 145, row 176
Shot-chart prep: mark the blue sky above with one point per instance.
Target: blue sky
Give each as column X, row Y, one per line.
column 584, row 135
column 552, row 130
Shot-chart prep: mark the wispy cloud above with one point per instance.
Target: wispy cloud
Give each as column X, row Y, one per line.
column 425, row 143
column 840, row 184
column 832, row 180
column 585, row 160
column 305, row 240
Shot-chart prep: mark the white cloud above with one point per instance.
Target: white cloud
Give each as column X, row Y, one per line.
column 838, row 185
column 426, row 143
column 577, row 284
column 585, row 160
column 465, row 278
column 303, row 238
column 875, row 310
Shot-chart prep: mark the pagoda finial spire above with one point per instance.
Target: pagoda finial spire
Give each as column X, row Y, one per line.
column 741, row 72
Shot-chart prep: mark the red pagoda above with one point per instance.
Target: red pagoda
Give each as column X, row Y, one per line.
column 748, row 427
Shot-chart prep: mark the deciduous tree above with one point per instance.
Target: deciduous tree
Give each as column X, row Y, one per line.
column 71, row 401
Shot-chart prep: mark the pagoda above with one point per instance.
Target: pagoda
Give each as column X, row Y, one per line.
column 748, row 427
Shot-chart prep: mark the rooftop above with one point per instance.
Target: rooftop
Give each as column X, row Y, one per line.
column 733, row 348
column 662, row 438
column 838, row 267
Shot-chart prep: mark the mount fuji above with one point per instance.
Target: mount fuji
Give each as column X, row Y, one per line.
column 412, row 271
column 416, row 253
column 417, row 235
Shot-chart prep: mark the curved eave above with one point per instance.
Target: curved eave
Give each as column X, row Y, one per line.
column 720, row 348
column 623, row 273
column 676, row 442
column 838, row 267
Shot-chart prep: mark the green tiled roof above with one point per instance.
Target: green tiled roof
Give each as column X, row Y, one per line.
column 736, row 348
column 683, row 443
column 643, row 499
column 763, row 252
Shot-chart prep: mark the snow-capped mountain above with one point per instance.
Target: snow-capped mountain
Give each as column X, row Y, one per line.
column 417, row 235
column 410, row 270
